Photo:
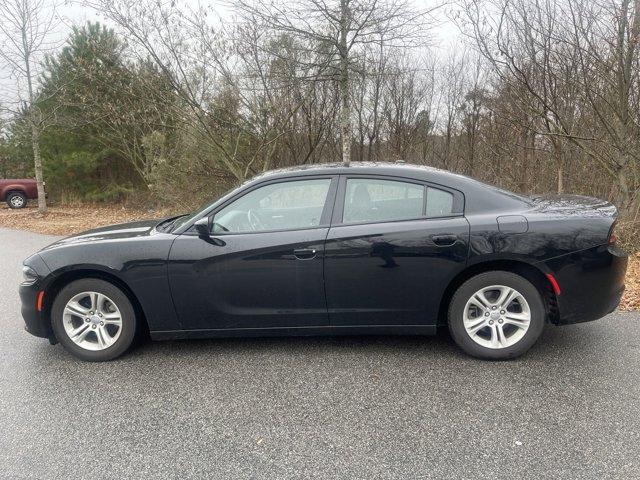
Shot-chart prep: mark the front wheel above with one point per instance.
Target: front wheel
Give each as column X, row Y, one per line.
column 93, row 319
column 496, row 315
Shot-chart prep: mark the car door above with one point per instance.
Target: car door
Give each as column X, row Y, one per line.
column 262, row 265
column 393, row 247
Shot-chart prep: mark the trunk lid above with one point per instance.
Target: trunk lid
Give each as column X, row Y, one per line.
column 572, row 205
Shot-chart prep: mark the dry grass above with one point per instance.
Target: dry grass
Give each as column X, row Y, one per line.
column 631, row 297
column 71, row 219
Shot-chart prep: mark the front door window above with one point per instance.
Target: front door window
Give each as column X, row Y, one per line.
column 292, row 205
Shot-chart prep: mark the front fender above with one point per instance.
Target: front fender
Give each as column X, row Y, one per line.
column 140, row 264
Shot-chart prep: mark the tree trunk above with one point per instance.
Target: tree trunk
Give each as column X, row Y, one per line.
column 37, row 163
column 35, row 128
column 560, row 179
column 558, row 153
column 624, row 198
column 345, row 104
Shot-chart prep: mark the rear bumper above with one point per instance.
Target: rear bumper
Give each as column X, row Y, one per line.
column 591, row 283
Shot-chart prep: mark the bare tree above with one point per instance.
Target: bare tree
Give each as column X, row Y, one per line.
column 453, row 85
column 334, row 34
column 284, row 93
column 218, row 73
column 519, row 38
column 406, row 101
column 26, row 27
column 609, row 79
column 574, row 66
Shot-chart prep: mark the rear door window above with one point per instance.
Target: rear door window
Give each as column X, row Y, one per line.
column 374, row 200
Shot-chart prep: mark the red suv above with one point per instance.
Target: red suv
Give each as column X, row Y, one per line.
column 16, row 192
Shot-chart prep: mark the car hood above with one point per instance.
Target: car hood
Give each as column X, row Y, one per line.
column 112, row 232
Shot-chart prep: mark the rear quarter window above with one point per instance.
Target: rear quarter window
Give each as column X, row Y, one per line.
column 439, row 203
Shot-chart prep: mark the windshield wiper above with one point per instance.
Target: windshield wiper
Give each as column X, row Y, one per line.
column 167, row 225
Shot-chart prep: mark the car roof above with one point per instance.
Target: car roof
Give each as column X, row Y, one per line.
column 399, row 169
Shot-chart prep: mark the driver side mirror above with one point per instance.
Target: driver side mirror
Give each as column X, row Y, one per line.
column 202, row 227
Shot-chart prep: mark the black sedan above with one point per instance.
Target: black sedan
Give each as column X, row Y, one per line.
column 335, row 249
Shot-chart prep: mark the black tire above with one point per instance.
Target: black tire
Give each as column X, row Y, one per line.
column 128, row 318
column 469, row 288
column 16, row 200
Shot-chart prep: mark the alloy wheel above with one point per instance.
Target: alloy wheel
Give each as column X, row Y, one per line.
column 497, row 316
column 92, row 321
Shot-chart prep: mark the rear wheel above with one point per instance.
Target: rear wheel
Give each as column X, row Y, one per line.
column 16, row 200
column 496, row 315
column 93, row 319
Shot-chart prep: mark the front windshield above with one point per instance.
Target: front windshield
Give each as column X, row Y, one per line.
column 189, row 217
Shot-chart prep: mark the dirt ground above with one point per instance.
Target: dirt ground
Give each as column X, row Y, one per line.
column 70, row 219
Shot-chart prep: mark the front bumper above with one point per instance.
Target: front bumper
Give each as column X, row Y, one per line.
column 35, row 321
column 591, row 282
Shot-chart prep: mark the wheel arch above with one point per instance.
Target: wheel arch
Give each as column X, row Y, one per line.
column 526, row 270
column 13, row 189
column 68, row 276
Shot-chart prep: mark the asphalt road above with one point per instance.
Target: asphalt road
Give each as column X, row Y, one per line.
column 345, row 407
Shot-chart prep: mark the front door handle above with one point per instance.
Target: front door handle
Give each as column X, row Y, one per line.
column 304, row 253
column 445, row 240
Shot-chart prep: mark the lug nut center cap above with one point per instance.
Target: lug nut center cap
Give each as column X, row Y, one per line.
column 495, row 315
column 95, row 319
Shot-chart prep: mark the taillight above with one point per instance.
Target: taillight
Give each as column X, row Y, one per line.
column 613, row 238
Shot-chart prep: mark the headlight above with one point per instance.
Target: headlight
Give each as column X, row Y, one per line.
column 29, row 275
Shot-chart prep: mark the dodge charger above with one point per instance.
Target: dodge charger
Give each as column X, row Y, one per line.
column 335, row 249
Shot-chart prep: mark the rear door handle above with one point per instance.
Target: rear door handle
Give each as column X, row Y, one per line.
column 304, row 253
column 445, row 240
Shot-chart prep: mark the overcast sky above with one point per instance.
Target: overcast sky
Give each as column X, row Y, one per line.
column 75, row 12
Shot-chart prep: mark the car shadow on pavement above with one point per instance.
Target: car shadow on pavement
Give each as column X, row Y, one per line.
column 582, row 339
column 581, row 343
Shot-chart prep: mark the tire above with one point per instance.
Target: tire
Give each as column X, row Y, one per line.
column 98, row 335
column 16, row 200
column 503, row 334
